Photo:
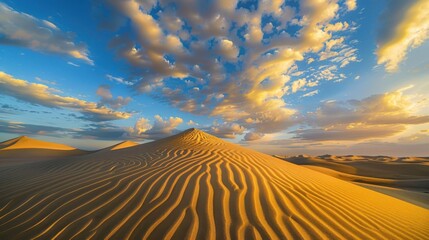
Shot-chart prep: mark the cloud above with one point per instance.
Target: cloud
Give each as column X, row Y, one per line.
column 226, row 130
column 298, row 84
column 310, row 94
column 351, row 5
column 119, row 80
column 253, row 136
column 377, row 116
column 142, row 130
column 40, row 94
column 349, row 132
column 405, row 26
column 401, row 147
column 73, row 64
column 45, row 81
column 336, row 27
column 227, row 49
column 192, row 123
column 107, row 98
column 159, row 129
column 32, row 129
column 219, row 56
column 20, row 29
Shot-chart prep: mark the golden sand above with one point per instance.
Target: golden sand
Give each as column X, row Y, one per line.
column 25, row 142
column 23, row 150
column 194, row 186
column 406, row 178
column 121, row 145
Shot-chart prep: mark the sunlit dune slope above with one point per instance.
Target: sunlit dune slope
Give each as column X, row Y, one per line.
column 121, row 145
column 406, row 178
column 194, row 186
column 25, row 142
column 24, row 149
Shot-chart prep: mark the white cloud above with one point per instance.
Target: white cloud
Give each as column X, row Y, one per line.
column 73, row 64
column 312, row 93
column 119, row 80
column 107, row 98
column 39, row 79
column 227, row 49
column 20, row 29
column 192, row 123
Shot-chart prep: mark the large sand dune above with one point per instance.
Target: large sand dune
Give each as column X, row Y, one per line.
column 194, row 186
column 25, row 142
column 24, row 149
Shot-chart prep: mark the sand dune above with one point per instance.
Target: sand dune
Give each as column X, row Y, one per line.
column 121, row 145
column 194, row 186
column 25, row 142
column 24, row 149
column 406, row 178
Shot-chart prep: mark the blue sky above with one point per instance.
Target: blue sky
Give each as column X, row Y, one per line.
column 283, row 77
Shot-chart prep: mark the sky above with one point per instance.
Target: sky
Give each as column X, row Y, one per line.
column 282, row 77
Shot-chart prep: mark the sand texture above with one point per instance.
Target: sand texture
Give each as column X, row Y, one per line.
column 121, row 145
column 194, row 186
column 24, row 149
column 406, row 178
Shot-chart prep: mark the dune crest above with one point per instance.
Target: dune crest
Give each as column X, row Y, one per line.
column 194, row 186
column 25, row 142
column 122, row 145
column 23, row 149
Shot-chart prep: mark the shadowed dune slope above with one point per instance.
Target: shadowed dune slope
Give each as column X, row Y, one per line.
column 194, row 186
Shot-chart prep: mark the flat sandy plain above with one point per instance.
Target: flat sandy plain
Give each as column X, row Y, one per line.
column 188, row 186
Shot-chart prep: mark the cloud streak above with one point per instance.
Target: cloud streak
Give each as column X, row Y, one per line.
column 40, row 94
column 20, row 29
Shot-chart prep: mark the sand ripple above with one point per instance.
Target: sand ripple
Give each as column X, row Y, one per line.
column 194, row 186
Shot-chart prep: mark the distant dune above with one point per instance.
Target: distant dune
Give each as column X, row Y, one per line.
column 406, row 178
column 121, row 145
column 24, row 149
column 25, row 142
column 194, row 186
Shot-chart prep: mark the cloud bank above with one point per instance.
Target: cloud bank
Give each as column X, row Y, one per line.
column 43, row 95
column 377, row 116
column 230, row 59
